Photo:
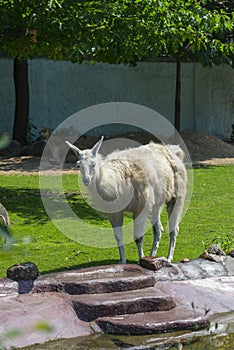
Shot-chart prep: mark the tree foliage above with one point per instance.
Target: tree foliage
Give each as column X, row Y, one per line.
column 122, row 31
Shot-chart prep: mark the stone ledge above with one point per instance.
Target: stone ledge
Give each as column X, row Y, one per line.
column 153, row 322
column 90, row 307
column 93, row 280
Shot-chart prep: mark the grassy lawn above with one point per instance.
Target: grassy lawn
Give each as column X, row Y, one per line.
column 210, row 215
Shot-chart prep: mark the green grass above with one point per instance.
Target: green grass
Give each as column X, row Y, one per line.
column 210, row 215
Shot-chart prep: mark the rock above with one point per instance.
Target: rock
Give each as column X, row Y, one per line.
column 24, row 271
column 36, row 318
column 213, row 253
column 195, row 289
column 8, row 288
column 211, row 257
column 154, row 264
column 14, row 149
column 184, row 260
column 95, row 280
column 231, row 253
column 215, row 249
column 35, row 149
column 89, row 307
column 195, row 269
column 153, row 322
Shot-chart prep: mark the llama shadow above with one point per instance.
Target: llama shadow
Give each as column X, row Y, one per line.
column 94, row 264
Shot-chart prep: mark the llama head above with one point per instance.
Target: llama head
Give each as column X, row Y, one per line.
column 87, row 160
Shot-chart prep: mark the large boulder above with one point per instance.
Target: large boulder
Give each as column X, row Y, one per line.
column 27, row 271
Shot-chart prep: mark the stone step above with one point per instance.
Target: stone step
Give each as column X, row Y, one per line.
column 90, row 307
column 176, row 319
column 103, row 279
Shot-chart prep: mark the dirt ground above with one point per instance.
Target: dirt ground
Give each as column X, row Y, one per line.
column 204, row 149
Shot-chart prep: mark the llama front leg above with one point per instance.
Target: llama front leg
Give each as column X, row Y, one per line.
column 117, row 223
column 119, row 239
column 139, row 243
column 139, row 226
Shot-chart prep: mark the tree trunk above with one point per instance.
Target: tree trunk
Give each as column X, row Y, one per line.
column 177, row 95
column 21, row 101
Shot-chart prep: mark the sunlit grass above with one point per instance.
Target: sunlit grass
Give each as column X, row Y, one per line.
column 209, row 215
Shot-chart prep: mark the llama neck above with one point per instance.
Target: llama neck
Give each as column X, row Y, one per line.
column 96, row 176
column 103, row 185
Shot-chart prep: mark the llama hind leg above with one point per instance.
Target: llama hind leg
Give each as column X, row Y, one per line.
column 157, row 230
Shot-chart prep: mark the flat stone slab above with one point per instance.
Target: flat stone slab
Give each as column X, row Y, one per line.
column 153, row 322
column 215, row 294
column 90, row 307
column 8, row 288
column 37, row 318
column 103, row 279
column 196, row 269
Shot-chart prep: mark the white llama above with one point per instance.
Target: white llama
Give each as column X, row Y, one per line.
column 138, row 180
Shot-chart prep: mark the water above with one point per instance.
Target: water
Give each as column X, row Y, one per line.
column 220, row 335
column 102, row 342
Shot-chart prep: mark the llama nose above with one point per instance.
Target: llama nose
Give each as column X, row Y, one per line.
column 86, row 182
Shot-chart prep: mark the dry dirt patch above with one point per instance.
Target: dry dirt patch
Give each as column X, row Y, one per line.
column 208, row 149
column 203, row 148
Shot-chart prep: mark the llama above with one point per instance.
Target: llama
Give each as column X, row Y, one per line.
column 4, row 229
column 138, row 180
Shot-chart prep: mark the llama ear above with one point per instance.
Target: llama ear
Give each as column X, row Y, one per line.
column 97, row 146
column 75, row 149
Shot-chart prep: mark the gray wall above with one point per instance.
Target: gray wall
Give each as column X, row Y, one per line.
column 59, row 89
column 214, row 100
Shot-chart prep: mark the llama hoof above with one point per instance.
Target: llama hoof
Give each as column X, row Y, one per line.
column 122, row 262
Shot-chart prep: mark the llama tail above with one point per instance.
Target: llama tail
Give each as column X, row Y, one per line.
column 176, row 150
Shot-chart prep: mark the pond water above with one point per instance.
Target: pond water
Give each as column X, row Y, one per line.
column 220, row 335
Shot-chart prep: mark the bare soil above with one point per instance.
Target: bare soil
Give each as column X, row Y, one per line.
column 207, row 149
column 204, row 149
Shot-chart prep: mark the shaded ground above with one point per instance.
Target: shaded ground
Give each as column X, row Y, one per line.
column 203, row 148
column 27, row 165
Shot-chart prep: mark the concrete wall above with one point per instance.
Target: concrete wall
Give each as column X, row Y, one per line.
column 214, row 100
column 59, row 89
